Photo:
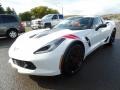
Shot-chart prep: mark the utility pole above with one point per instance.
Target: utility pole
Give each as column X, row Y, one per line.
column 62, row 10
column 62, row 7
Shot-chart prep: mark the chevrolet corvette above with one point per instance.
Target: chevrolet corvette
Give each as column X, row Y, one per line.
column 62, row 49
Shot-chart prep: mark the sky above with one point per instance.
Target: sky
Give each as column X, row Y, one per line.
column 70, row 7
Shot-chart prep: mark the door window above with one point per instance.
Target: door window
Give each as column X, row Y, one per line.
column 60, row 16
column 55, row 17
column 8, row 19
column 97, row 22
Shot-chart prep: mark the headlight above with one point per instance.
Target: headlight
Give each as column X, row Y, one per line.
column 50, row 46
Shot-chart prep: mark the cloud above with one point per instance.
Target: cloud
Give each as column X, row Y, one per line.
column 70, row 7
column 94, row 7
column 21, row 6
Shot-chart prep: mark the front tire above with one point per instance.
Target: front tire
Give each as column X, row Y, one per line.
column 73, row 59
column 48, row 25
column 12, row 34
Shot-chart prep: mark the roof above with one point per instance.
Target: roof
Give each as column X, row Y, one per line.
column 84, row 16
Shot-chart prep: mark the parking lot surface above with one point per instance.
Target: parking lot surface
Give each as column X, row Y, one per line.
column 101, row 71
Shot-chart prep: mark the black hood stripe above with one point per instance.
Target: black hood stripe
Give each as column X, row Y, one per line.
column 39, row 35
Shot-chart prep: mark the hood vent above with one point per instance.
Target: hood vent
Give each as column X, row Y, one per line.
column 39, row 35
column 42, row 34
column 32, row 36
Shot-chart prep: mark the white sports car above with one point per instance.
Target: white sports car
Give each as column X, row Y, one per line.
column 62, row 49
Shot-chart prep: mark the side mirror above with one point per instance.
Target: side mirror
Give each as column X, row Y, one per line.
column 101, row 26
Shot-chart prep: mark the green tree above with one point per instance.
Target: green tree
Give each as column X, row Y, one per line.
column 39, row 12
column 26, row 16
column 2, row 11
column 10, row 11
column 14, row 12
column 51, row 11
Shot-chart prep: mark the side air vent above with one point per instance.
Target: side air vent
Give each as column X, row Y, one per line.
column 88, row 41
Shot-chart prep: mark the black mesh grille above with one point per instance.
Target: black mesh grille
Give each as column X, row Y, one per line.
column 24, row 64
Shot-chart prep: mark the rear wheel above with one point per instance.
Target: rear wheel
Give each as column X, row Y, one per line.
column 73, row 59
column 112, row 38
column 12, row 34
column 48, row 25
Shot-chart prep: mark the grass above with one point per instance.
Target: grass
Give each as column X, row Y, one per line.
column 27, row 29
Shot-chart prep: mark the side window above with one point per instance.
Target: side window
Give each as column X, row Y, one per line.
column 13, row 19
column 60, row 16
column 8, row 19
column 85, row 22
column 55, row 17
column 97, row 22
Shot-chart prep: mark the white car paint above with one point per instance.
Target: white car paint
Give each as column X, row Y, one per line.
column 35, row 23
column 49, row 19
column 48, row 64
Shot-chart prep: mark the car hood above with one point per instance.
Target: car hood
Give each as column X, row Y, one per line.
column 34, row 40
column 45, row 20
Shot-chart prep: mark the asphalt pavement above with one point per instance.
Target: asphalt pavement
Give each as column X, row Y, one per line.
column 101, row 71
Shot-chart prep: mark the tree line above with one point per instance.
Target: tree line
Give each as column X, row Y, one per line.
column 8, row 10
column 37, row 12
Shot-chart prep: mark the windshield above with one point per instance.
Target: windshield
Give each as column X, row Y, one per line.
column 47, row 16
column 75, row 23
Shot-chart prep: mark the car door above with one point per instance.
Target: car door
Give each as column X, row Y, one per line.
column 55, row 20
column 60, row 18
column 2, row 27
column 90, row 35
column 104, row 31
column 99, row 36
column 93, row 37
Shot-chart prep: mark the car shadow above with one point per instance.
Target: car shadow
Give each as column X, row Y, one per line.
column 5, row 42
column 100, row 71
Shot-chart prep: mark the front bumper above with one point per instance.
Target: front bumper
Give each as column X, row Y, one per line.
column 41, row 72
column 46, row 65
